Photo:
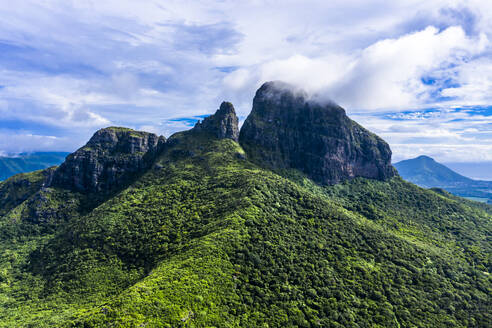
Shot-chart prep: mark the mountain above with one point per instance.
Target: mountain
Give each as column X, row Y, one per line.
column 286, row 130
column 426, row 172
column 28, row 162
column 211, row 232
column 110, row 158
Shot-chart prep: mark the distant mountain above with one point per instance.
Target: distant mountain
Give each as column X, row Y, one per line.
column 28, row 162
column 426, row 172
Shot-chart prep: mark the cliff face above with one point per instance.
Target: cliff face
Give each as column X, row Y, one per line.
column 223, row 124
column 110, row 157
column 286, row 130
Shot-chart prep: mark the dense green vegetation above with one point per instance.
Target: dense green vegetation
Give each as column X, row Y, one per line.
column 207, row 239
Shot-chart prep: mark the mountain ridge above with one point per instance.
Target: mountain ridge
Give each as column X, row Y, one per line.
column 109, row 158
column 207, row 236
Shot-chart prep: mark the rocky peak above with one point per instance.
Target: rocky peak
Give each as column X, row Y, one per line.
column 108, row 160
column 287, row 130
column 223, row 124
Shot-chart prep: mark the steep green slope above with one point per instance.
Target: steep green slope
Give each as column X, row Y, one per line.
column 206, row 238
column 27, row 162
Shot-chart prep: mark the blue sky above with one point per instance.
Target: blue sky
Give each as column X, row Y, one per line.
column 418, row 73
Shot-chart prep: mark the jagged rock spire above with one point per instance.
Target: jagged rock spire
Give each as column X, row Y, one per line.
column 223, row 124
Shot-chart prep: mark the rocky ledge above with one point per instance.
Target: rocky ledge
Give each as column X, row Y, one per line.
column 287, row 130
column 109, row 159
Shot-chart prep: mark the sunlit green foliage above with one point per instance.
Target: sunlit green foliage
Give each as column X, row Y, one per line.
column 207, row 239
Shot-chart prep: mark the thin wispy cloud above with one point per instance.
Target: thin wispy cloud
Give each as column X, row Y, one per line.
column 451, row 135
column 69, row 68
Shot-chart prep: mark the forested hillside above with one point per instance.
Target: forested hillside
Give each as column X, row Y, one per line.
column 204, row 237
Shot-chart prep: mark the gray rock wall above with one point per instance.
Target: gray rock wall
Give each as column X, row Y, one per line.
column 110, row 157
column 287, row 130
column 223, row 124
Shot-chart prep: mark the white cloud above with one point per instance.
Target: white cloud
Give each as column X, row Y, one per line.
column 475, row 83
column 57, row 101
column 388, row 74
column 444, row 152
column 449, row 135
column 88, row 64
column 385, row 75
column 21, row 141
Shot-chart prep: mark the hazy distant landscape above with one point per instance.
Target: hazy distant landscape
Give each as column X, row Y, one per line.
column 426, row 172
column 474, row 170
column 28, row 162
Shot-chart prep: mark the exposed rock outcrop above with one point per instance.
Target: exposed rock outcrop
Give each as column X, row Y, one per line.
column 223, row 124
column 109, row 159
column 287, row 130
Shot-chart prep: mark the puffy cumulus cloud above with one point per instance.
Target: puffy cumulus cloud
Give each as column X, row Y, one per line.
column 389, row 74
column 474, row 83
column 382, row 62
column 309, row 74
